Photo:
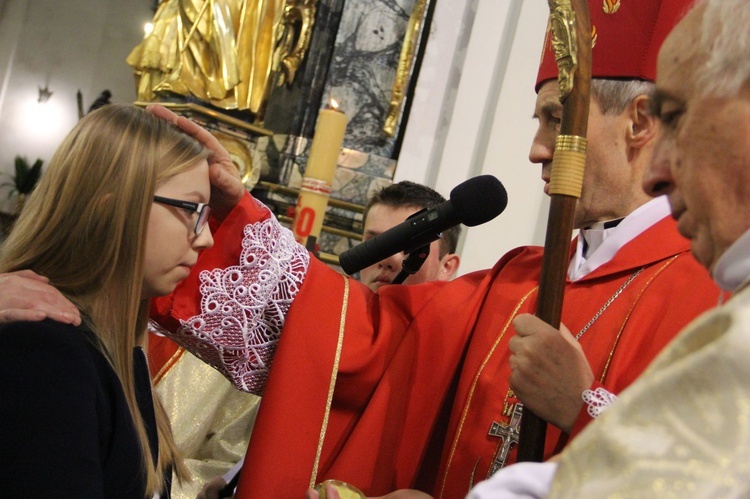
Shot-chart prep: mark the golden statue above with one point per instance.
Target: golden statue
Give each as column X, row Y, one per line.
column 225, row 52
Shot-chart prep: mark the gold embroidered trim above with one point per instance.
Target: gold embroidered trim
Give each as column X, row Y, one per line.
column 168, row 365
column 334, row 374
column 627, row 316
column 474, row 384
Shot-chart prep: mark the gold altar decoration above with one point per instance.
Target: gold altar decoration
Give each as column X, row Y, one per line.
column 405, row 66
column 298, row 19
column 225, row 52
column 242, row 157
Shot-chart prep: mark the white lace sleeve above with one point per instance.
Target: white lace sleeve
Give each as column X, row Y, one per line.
column 597, row 401
column 243, row 307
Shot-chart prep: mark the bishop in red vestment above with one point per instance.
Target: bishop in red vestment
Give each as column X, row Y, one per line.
column 409, row 387
column 420, row 371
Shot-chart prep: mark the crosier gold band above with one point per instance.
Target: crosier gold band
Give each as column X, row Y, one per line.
column 568, row 164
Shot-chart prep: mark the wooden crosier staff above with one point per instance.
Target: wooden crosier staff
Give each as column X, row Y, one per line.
column 571, row 42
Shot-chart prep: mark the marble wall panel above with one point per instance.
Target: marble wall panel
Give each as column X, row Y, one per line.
column 353, row 58
column 363, row 69
column 293, row 108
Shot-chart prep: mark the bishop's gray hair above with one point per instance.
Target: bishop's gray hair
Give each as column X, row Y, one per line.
column 725, row 37
column 614, row 96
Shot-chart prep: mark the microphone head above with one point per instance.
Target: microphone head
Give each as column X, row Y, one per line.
column 478, row 200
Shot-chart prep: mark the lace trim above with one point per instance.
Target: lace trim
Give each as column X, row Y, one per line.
column 243, row 307
column 598, row 400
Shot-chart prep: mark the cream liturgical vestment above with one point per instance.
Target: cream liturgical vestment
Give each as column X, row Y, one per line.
column 682, row 429
column 211, row 420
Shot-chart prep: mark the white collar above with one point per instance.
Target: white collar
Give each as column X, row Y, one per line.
column 615, row 238
column 732, row 270
column 595, row 234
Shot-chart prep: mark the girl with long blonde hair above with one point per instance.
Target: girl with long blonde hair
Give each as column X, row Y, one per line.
column 118, row 217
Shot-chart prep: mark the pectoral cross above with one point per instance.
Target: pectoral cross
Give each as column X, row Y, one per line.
column 508, row 432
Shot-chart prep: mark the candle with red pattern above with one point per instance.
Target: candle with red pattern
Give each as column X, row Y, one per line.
column 319, row 173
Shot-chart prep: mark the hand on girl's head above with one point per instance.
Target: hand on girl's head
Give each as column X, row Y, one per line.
column 226, row 185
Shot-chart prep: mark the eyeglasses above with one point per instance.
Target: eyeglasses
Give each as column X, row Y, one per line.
column 202, row 209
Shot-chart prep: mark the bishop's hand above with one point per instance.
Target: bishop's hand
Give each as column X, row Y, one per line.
column 226, row 185
column 549, row 371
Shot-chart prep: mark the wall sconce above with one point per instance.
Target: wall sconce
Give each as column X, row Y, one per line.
column 44, row 94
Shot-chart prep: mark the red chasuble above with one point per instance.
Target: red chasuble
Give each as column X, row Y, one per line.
column 423, row 370
column 163, row 354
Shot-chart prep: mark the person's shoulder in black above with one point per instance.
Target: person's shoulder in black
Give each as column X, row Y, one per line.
column 65, row 427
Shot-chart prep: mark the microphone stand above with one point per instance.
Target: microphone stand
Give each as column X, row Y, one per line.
column 412, row 264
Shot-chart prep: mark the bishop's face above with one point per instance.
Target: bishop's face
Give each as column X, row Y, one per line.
column 703, row 158
column 611, row 184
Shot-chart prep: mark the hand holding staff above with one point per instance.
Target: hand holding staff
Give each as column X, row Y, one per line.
column 571, row 41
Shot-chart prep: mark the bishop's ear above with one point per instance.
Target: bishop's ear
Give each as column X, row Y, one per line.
column 643, row 124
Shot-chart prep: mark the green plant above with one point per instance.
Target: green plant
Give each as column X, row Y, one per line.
column 26, row 177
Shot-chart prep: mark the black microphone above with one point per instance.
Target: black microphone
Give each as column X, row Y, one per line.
column 473, row 202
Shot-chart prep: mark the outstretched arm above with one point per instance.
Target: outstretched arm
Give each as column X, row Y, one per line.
column 226, row 185
column 229, row 312
column 27, row 296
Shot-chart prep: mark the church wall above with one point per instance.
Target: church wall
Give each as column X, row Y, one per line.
column 485, row 123
column 504, row 151
column 66, row 45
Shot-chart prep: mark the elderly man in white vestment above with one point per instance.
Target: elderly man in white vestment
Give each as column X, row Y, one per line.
column 683, row 428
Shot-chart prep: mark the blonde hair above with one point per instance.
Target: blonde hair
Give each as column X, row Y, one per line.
column 84, row 228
